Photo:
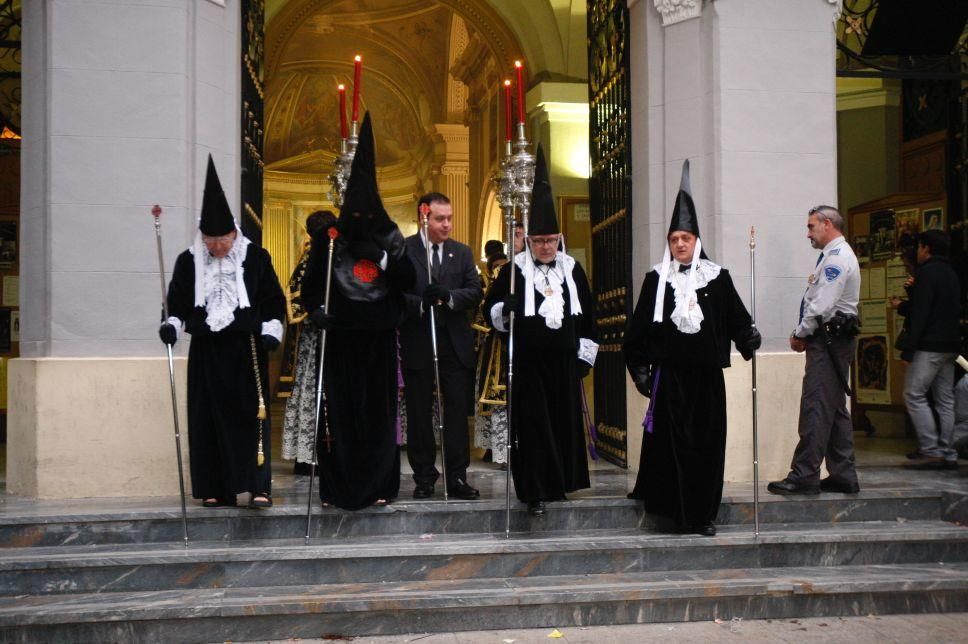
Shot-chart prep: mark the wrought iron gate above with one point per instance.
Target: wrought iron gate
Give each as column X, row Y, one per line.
column 610, row 192
column 253, row 98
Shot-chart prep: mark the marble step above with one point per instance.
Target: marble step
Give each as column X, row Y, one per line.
column 307, row 611
column 269, row 563
column 162, row 523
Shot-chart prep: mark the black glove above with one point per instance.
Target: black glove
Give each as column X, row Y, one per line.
column 435, row 293
column 168, row 333
column 366, row 249
column 644, row 378
column 513, row 302
column 583, row 368
column 748, row 345
column 322, row 320
column 269, row 342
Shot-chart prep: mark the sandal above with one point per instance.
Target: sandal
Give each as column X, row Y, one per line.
column 260, row 501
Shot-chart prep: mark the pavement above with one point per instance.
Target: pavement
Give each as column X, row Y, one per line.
column 880, row 629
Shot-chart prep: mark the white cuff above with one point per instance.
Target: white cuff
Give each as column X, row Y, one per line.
column 383, row 261
column 497, row 317
column 178, row 324
column 273, row 328
column 587, row 350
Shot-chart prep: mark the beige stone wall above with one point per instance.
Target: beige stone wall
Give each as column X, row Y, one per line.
column 778, row 377
column 93, row 427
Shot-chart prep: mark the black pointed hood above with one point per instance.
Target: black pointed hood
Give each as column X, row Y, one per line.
column 216, row 218
column 542, row 220
column 684, row 215
column 362, row 212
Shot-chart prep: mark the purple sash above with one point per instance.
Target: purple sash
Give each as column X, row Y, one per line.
column 647, row 423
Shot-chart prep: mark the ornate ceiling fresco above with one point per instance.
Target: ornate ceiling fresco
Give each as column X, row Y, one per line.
column 399, row 85
column 408, row 49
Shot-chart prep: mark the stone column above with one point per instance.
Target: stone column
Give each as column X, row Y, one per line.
column 452, row 157
column 746, row 91
column 558, row 114
column 122, row 105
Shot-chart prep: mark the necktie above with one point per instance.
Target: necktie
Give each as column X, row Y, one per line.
column 435, row 260
column 684, row 267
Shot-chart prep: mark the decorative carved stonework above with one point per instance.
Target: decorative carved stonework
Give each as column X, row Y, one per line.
column 673, row 11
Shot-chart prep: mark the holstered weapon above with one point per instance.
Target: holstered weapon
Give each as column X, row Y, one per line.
column 838, row 326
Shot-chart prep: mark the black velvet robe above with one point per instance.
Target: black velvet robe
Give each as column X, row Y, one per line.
column 223, row 430
column 681, row 466
column 361, row 464
column 548, row 457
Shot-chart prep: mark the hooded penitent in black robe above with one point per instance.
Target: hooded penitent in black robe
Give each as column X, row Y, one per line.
column 681, row 466
column 548, row 457
column 361, row 464
column 223, row 430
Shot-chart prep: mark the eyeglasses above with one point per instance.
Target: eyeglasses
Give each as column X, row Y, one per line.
column 219, row 241
column 544, row 241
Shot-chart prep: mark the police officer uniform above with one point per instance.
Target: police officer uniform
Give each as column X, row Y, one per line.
column 825, row 427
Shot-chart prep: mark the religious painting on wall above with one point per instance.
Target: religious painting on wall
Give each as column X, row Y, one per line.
column 882, row 235
column 932, row 219
column 861, row 247
column 907, row 223
column 8, row 244
column 873, row 374
column 5, row 336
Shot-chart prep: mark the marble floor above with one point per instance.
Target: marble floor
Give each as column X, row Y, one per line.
column 879, row 462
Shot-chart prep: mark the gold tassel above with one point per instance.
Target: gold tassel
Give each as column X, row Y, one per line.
column 262, row 410
column 260, row 459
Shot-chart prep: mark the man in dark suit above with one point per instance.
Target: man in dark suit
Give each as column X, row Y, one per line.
column 454, row 294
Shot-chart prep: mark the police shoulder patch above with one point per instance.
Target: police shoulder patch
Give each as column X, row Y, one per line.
column 831, row 272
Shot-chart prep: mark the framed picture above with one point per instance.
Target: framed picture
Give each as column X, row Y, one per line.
column 881, row 235
column 907, row 224
column 8, row 244
column 932, row 219
column 861, row 247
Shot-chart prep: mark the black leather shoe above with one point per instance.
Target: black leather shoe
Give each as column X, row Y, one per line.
column 831, row 484
column 788, row 487
column 536, row 508
column 423, row 491
column 459, row 489
column 707, row 530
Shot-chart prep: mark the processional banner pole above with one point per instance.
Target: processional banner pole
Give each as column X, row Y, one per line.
column 339, row 177
column 425, row 223
column 156, row 213
column 520, row 169
column 756, row 443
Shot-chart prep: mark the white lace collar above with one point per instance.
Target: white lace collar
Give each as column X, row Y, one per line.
column 550, row 284
column 219, row 283
column 687, row 314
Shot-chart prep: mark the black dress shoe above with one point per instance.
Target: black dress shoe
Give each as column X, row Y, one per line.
column 536, row 508
column 707, row 530
column 459, row 489
column 423, row 491
column 788, row 487
column 831, row 484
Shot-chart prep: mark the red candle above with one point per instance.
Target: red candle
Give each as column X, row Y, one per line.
column 357, row 68
column 343, row 129
column 517, row 67
column 507, row 110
